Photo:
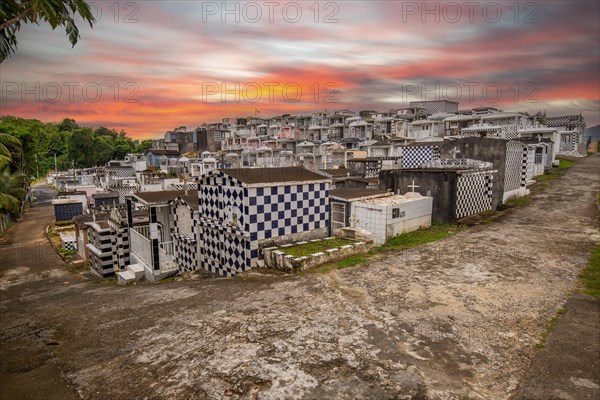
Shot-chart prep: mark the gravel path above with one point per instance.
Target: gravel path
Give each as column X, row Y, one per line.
column 458, row 318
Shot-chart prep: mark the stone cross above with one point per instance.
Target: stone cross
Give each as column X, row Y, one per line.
column 454, row 152
column 413, row 186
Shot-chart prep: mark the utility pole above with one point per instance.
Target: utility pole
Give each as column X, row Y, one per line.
column 55, row 166
column 37, row 167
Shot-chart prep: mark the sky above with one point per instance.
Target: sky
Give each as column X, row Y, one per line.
column 151, row 66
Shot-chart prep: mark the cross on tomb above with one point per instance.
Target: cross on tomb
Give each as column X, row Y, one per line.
column 454, row 152
column 413, row 186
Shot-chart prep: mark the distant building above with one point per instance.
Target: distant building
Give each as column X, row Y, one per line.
column 154, row 157
column 436, row 106
column 106, row 199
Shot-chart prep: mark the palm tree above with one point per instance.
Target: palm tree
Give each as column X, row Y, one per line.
column 6, row 142
column 12, row 191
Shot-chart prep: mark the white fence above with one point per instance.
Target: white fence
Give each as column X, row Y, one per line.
column 141, row 247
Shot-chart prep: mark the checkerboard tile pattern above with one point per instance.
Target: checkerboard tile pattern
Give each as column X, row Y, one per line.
column 530, row 167
column 184, row 234
column 65, row 212
column 179, row 186
column 524, row 162
column 123, row 191
column 513, row 168
column 70, row 245
column 222, row 252
column 119, row 240
column 415, row 156
column 235, row 217
column 284, row 210
column 186, row 253
column 473, row 193
column 120, row 172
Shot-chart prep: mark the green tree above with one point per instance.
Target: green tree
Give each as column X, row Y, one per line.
column 58, row 143
column 103, row 150
column 12, row 192
column 102, row 131
column 144, row 146
column 81, row 147
column 67, row 124
column 13, row 13
column 6, row 143
column 30, row 145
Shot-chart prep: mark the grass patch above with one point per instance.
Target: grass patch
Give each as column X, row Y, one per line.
column 351, row 261
column 55, row 241
column 306, row 249
column 419, row 237
column 109, row 280
column 401, row 242
column 590, row 275
column 549, row 326
column 518, row 201
column 67, row 255
column 563, row 165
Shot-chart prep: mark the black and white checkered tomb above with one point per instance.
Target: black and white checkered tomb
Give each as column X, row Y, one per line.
column 234, row 217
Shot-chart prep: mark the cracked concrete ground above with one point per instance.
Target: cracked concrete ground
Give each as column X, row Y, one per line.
column 454, row 319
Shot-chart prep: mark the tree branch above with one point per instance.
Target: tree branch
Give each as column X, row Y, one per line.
column 16, row 19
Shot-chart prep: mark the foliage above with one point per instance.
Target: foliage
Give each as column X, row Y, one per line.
column 28, row 148
column 416, row 238
column 301, row 250
column 8, row 143
column 556, row 172
column 518, row 201
column 14, row 13
column 144, row 146
column 549, row 326
column 72, row 144
column 12, row 192
column 396, row 244
column 542, row 118
column 590, row 276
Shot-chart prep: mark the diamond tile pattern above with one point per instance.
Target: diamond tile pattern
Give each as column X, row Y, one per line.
column 415, row 156
column 473, row 193
column 235, row 217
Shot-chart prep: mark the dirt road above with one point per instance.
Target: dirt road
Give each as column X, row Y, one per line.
column 454, row 319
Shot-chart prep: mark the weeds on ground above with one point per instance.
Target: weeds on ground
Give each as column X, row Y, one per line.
column 401, row 242
column 518, row 201
column 549, row 326
column 556, row 172
column 590, row 275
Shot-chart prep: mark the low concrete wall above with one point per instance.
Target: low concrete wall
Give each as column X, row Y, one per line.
column 319, row 233
column 277, row 259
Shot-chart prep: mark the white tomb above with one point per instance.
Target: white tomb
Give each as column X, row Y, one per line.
column 389, row 216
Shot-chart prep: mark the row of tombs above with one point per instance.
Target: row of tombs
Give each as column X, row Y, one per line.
column 223, row 225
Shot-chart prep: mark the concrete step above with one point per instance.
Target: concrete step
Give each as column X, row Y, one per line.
column 137, row 270
column 125, row 277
